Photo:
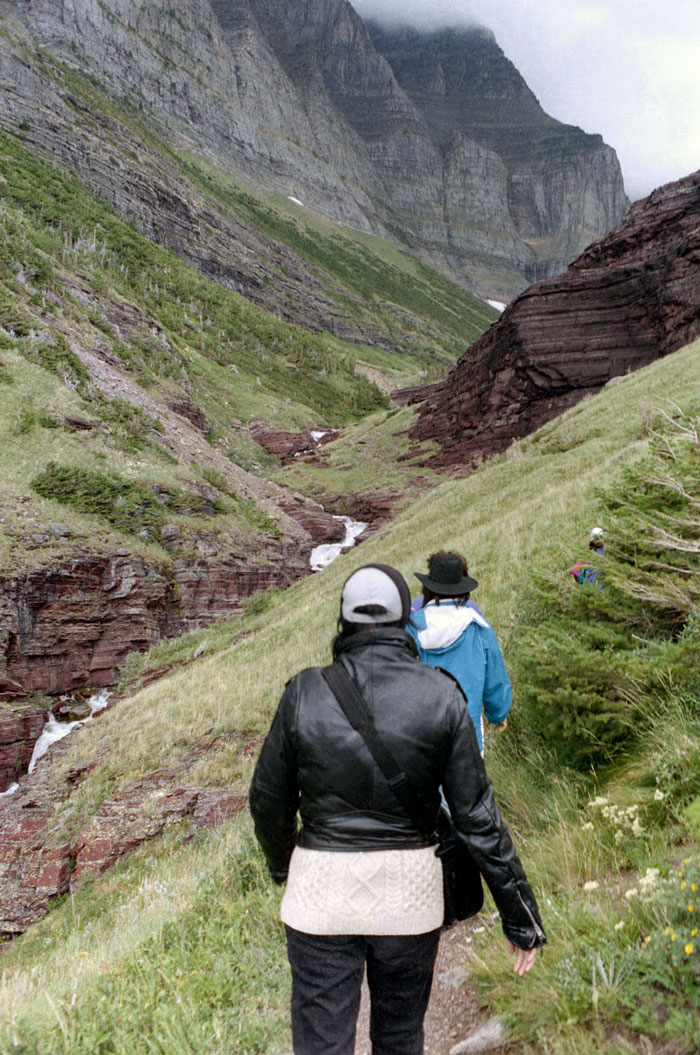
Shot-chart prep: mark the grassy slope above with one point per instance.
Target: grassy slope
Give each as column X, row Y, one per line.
column 199, row 964
column 170, row 333
column 73, row 277
column 422, row 315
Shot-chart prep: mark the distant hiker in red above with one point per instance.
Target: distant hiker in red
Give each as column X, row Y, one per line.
column 364, row 885
column 583, row 571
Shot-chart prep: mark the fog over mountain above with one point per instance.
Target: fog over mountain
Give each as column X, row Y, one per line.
column 629, row 71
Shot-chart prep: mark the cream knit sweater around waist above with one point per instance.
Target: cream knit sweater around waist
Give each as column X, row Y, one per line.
column 364, row 892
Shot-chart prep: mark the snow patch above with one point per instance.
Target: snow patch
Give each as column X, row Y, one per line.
column 497, row 304
column 296, row 201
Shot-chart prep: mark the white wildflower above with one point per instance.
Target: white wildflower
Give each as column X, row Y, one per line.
column 588, row 827
column 619, row 836
column 620, row 925
column 647, row 883
column 591, row 885
column 659, row 795
column 629, row 894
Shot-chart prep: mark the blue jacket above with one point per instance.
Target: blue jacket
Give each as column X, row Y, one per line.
column 458, row 639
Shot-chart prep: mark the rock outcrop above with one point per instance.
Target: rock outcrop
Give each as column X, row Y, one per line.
column 40, row 859
column 289, row 445
column 386, row 132
column 627, row 300
column 20, row 728
column 73, row 627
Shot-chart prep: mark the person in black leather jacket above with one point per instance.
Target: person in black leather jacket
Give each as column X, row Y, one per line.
column 364, row 887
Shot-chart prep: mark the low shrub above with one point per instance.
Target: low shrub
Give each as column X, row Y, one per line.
column 609, row 658
column 129, row 505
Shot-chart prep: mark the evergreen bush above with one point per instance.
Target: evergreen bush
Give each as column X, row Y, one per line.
column 604, row 663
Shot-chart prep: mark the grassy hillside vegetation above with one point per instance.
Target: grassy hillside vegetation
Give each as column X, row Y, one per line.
column 369, row 455
column 101, row 332
column 608, row 834
column 427, row 319
column 392, row 286
column 57, row 236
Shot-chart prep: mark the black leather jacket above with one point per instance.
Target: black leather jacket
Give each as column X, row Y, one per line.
column 314, row 763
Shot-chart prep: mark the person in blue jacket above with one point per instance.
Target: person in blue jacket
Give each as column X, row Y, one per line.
column 452, row 634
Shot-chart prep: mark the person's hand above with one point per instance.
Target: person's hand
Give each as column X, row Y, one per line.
column 524, row 958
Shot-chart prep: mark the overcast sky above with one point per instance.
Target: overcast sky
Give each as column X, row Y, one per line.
column 628, row 69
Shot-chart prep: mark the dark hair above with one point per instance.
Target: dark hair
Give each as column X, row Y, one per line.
column 428, row 594
column 346, row 630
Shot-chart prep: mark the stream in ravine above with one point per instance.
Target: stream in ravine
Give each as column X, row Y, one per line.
column 323, row 555
column 54, row 730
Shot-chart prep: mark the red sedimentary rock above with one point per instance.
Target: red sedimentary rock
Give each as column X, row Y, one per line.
column 321, row 525
column 74, row 626
column 39, row 860
column 628, row 299
column 369, row 507
column 288, row 445
column 20, row 728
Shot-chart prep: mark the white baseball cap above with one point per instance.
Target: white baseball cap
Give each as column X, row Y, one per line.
column 375, row 594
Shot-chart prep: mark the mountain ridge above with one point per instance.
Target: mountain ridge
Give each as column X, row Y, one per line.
column 296, row 99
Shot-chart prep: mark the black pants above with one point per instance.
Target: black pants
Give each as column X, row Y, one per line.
column 327, row 975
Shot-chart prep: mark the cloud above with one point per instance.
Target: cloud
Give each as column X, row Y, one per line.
column 626, row 70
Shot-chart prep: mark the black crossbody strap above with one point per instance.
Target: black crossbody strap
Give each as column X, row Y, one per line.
column 353, row 704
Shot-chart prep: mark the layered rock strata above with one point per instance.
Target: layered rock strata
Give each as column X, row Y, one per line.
column 40, row 860
column 20, row 728
column 628, row 299
column 387, row 132
column 289, row 445
column 75, row 626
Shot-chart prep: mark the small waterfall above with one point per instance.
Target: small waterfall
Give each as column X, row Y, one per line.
column 321, row 556
column 54, row 730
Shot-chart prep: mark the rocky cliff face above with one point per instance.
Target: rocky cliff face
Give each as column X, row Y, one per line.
column 628, row 299
column 514, row 184
column 75, row 626
column 387, row 132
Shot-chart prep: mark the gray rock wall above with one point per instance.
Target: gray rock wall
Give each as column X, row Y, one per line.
column 389, row 133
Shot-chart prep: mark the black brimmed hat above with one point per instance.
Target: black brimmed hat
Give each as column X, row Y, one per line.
column 445, row 576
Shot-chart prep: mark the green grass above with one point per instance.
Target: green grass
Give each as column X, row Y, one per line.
column 373, row 269
column 172, row 335
column 190, row 313
column 527, row 511
column 413, row 308
column 169, row 335
column 365, row 459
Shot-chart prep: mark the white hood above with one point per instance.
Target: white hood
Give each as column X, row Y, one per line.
column 445, row 623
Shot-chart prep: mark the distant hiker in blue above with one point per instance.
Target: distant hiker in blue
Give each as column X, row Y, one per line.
column 452, row 634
